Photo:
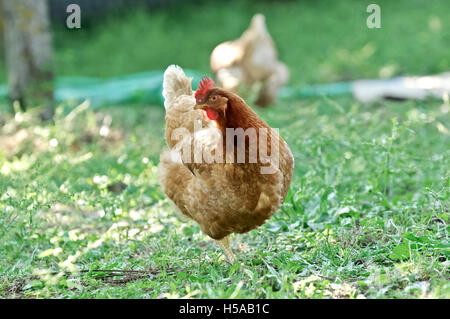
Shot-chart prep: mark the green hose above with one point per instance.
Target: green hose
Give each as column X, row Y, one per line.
column 146, row 87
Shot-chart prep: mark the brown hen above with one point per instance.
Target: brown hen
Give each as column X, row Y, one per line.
column 236, row 192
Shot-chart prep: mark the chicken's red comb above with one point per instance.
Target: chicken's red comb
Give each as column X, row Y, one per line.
column 204, row 86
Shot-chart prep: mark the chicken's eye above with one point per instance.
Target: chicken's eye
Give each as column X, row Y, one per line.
column 213, row 98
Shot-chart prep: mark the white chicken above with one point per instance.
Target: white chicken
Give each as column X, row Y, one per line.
column 251, row 59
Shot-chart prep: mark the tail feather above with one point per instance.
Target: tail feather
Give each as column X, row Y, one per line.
column 175, row 179
column 175, row 84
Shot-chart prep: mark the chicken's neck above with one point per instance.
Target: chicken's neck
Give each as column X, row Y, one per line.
column 239, row 115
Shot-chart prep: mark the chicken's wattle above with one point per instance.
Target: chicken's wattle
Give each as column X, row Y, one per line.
column 210, row 115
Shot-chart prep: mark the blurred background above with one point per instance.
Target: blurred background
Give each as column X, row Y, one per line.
column 78, row 186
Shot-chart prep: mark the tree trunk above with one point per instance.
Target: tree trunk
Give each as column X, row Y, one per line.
column 28, row 51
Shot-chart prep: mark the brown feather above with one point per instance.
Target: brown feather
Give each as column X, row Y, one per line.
column 225, row 198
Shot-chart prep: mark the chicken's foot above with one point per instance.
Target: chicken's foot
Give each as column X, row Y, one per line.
column 224, row 243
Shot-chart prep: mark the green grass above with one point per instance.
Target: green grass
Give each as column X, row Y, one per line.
column 367, row 213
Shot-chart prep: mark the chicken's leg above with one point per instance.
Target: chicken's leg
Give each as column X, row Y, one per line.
column 224, row 243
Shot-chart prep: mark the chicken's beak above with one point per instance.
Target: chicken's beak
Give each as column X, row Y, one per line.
column 199, row 106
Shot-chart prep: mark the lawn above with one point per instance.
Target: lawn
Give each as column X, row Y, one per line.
column 367, row 215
